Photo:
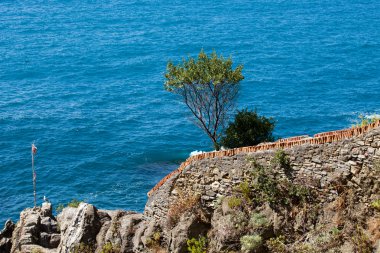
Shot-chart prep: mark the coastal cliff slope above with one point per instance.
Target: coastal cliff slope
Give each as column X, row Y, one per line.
column 307, row 198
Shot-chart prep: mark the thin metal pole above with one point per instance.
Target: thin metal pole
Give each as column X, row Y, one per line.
column 34, row 177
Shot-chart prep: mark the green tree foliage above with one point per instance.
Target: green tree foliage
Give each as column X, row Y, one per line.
column 208, row 85
column 248, row 129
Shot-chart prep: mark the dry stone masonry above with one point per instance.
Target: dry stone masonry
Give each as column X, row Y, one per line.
column 320, row 138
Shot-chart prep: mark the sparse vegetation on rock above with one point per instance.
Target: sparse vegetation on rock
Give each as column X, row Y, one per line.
column 197, row 245
column 73, row 203
column 250, row 243
column 184, row 203
column 110, row 248
column 312, row 198
column 376, row 204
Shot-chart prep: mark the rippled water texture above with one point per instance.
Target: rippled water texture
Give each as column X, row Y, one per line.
column 84, row 80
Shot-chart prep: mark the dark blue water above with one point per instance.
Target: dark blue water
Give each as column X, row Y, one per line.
column 84, row 80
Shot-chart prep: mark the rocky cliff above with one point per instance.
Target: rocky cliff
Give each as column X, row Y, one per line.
column 311, row 197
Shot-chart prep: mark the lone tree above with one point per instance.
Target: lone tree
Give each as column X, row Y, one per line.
column 248, row 129
column 208, row 86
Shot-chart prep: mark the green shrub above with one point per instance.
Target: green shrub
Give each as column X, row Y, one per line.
column 197, row 245
column 376, row 204
column 248, row 129
column 266, row 188
column 73, row 203
column 258, row 220
column 281, row 159
column 156, row 236
column 250, row 242
column 110, row 248
column 276, row 192
column 298, row 193
column 277, row 245
column 245, row 191
column 240, row 221
column 234, row 202
column 83, row 248
column 154, row 240
column 335, row 231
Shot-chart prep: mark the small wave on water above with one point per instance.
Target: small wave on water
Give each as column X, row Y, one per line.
column 372, row 116
column 196, row 152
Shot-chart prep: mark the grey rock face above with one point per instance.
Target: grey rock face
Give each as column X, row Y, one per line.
column 119, row 230
column 6, row 235
column 37, row 226
column 189, row 226
column 82, row 227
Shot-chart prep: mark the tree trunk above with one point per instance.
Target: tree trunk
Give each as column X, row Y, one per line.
column 216, row 145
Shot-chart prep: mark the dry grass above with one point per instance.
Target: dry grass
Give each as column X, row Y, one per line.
column 361, row 241
column 159, row 250
column 374, row 229
column 184, row 203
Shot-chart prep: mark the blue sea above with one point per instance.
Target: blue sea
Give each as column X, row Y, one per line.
column 83, row 80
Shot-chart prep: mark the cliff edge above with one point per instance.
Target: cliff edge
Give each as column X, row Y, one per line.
column 312, row 197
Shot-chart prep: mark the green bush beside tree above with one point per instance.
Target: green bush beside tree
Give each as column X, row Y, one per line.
column 248, row 129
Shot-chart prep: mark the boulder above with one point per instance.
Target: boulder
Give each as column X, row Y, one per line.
column 120, row 230
column 189, row 226
column 79, row 226
column 38, row 227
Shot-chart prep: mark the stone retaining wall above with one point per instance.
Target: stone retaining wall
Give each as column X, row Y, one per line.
column 320, row 138
column 322, row 166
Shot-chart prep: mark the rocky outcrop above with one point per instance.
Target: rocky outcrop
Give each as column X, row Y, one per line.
column 78, row 226
column 315, row 197
column 37, row 228
column 6, row 236
column 308, row 198
column 76, row 229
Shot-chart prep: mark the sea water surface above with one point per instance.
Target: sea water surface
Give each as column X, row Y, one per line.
column 84, row 81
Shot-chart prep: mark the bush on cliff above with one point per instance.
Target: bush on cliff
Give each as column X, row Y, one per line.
column 250, row 242
column 110, row 248
column 73, row 203
column 197, row 245
column 248, row 129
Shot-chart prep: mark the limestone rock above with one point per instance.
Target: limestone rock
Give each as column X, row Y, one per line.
column 82, row 227
column 122, row 229
column 189, row 226
column 33, row 229
column 5, row 236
